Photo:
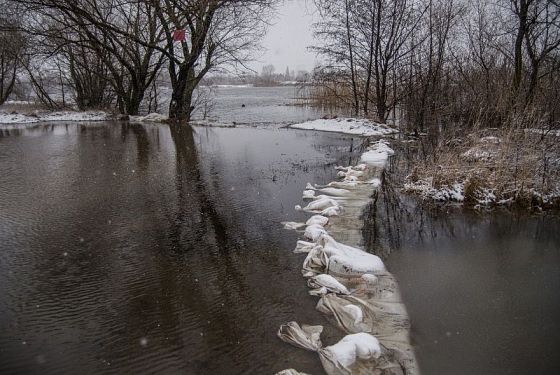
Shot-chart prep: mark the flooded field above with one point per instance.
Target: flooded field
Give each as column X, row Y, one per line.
column 127, row 248
column 482, row 289
column 144, row 249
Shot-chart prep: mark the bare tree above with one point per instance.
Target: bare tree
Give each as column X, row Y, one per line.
column 122, row 34
column 12, row 47
column 219, row 32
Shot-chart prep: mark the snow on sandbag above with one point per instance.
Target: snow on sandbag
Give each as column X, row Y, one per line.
column 378, row 153
column 327, row 281
column 335, row 192
column 317, row 219
column 308, row 194
column 331, row 211
column 314, row 232
column 321, row 204
column 355, row 173
column 347, row 261
column 340, row 260
column 375, row 157
column 382, row 146
column 358, row 351
column 354, row 347
column 351, row 179
column 360, row 167
column 290, row 371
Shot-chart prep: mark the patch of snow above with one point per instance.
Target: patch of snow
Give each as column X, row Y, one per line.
column 478, row 153
column 490, row 140
column 151, row 117
column 353, row 126
column 552, row 132
column 37, row 117
column 454, row 193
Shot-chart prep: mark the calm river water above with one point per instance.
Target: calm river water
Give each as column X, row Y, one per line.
column 141, row 249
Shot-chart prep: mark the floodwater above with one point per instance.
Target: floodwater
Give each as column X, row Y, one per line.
column 142, row 249
column 482, row 289
column 258, row 106
column 137, row 249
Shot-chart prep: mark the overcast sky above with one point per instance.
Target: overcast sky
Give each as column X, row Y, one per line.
column 288, row 38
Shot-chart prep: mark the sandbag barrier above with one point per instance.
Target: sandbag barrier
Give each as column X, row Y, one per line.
column 355, row 290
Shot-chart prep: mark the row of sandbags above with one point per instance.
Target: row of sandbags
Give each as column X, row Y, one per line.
column 355, row 290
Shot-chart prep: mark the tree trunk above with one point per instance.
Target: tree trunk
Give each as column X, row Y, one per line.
column 180, row 107
column 521, row 10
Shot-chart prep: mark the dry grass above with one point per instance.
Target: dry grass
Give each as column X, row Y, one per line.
column 518, row 164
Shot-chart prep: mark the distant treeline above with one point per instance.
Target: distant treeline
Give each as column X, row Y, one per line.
column 267, row 77
column 431, row 64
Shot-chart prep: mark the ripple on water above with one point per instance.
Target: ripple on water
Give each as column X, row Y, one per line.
column 181, row 266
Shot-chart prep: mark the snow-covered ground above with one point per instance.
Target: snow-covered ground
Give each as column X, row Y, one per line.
column 151, row 117
column 348, row 126
column 36, row 117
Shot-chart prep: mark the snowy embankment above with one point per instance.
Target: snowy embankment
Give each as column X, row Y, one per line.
column 353, row 126
column 39, row 116
column 151, row 117
column 493, row 171
column 355, row 290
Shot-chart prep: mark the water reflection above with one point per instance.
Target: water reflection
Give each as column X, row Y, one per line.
column 132, row 248
column 482, row 288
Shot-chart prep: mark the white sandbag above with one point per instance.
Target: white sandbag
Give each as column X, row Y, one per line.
column 308, row 194
column 328, row 282
column 314, row 232
column 303, row 247
column 357, row 353
column 346, row 261
column 335, row 192
column 331, row 211
column 292, row 225
column 317, row 219
column 321, row 204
